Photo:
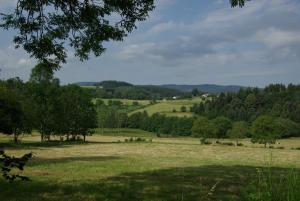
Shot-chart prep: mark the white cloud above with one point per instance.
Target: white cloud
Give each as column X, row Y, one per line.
column 225, row 33
column 278, row 38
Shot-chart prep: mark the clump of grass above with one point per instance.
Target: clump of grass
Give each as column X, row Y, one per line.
column 280, row 147
column 297, row 148
column 240, row 144
column 271, row 186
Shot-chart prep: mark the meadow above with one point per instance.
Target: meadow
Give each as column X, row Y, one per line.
column 109, row 168
column 167, row 106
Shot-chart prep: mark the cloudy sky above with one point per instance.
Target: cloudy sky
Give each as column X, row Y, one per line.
column 189, row 42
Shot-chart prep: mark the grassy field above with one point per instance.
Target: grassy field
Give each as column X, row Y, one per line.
column 167, row 106
column 163, row 107
column 107, row 168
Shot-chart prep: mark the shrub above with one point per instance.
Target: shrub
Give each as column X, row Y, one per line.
column 183, row 109
column 205, row 141
column 240, row 144
column 228, row 143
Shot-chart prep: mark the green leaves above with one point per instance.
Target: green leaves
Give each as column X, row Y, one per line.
column 7, row 164
column 46, row 28
column 239, row 3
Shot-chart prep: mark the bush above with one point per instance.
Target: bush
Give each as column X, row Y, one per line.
column 228, row 143
column 240, row 144
column 207, row 142
column 135, row 103
column 183, row 109
column 139, row 139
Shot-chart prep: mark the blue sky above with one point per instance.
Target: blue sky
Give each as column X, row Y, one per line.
column 189, row 42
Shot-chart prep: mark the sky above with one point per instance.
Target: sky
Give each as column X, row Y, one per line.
column 188, row 42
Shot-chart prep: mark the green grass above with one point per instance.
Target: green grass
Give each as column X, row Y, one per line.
column 166, row 169
column 166, row 107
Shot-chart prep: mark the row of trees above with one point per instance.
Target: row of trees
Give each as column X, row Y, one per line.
column 43, row 105
column 264, row 130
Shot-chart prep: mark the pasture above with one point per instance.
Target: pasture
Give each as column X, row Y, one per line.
column 108, row 168
column 167, row 106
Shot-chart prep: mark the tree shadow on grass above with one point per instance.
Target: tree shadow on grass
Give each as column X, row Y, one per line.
column 46, row 161
column 204, row 183
column 50, row 144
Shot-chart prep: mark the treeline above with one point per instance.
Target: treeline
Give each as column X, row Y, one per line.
column 124, row 90
column 42, row 104
column 264, row 129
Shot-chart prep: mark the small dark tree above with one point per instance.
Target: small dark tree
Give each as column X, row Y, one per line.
column 183, row 109
column 195, row 92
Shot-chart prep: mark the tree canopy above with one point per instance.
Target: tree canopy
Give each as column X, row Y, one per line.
column 45, row 27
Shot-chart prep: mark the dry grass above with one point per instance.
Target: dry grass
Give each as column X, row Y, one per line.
column 105, row 158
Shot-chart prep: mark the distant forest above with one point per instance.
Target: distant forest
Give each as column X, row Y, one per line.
column 124, row 90
column 275, row 100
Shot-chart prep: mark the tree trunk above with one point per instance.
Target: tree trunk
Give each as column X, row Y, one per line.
column 83, row 138
column 15, row 138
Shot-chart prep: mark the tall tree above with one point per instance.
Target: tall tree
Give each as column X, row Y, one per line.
column 44, row 89
column 14, row 112
column 239, row 130
column 77, row 113
column 223, row 124
column 204, row 128
column 264, row 130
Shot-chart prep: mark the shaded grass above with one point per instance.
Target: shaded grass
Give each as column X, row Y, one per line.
column 188, row 183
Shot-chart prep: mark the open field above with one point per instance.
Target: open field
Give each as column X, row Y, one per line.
column 107, row 168
column 167, row 106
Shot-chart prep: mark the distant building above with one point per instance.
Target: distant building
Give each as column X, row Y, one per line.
column 174, row 98
column 205, row 95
